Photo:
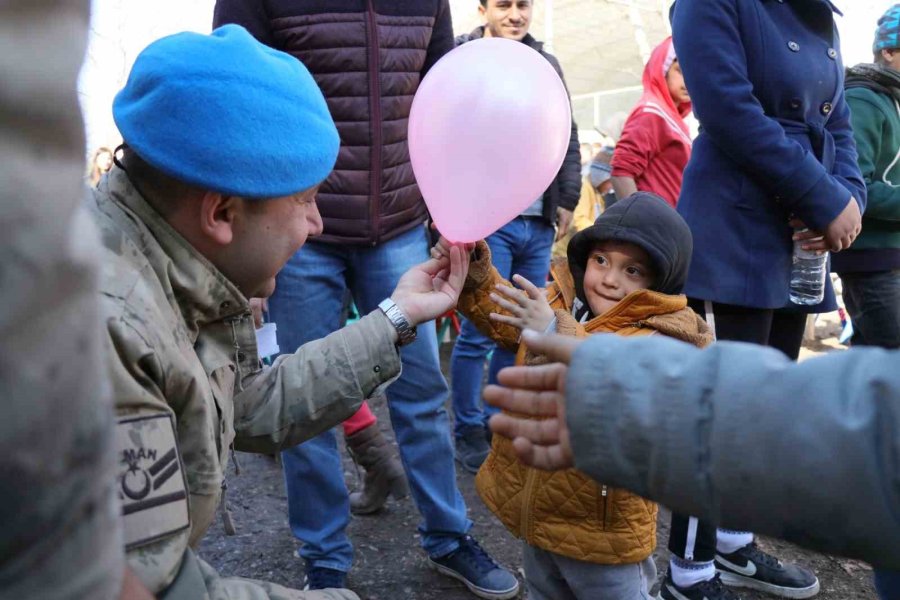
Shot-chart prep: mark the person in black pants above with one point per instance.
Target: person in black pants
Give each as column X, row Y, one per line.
column 690, row 538
column 775, row 154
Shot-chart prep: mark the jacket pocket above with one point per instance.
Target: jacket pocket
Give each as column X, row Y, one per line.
column 751, row 197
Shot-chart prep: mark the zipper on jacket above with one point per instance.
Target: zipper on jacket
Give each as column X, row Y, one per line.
column 236, row 346
column 527, row 499
column 374, row 124
column 604, row 506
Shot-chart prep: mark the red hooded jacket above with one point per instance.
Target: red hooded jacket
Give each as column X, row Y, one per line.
column 655, row 145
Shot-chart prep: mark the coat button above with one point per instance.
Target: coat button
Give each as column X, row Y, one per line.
column 832, row 53
column 796, row 103
column 794, row 46
column 241, row 357
column 826, row 108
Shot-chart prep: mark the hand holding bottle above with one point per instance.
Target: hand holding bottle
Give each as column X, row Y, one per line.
column 839, row 234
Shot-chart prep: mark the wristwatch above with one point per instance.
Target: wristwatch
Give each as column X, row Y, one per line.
column 406, row 333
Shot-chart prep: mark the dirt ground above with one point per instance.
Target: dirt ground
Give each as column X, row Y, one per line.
column 388, row 562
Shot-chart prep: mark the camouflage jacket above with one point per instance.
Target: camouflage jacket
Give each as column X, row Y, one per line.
column 60, row 533
column 188, row 385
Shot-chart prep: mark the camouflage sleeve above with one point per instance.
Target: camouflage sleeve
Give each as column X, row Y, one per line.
column 158, row 520
column 317, row 387
column 151, row 480
column 60, row 536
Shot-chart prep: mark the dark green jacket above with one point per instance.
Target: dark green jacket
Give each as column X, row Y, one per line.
column 875, row 116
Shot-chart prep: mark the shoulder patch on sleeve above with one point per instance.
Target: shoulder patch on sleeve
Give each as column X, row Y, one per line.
column 151, row 482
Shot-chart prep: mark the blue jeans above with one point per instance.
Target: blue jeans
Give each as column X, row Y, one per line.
column 307, row 306
column 522, row 247
column 873, row 301
column 887, row 583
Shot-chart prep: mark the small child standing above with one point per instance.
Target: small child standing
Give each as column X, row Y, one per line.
column 585, row 540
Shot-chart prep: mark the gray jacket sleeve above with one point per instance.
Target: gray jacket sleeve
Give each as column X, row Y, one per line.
column 741, row 436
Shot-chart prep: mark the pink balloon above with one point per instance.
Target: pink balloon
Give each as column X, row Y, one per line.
column 488, row 131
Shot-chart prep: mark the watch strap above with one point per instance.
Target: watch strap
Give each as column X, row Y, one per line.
column 406, row 333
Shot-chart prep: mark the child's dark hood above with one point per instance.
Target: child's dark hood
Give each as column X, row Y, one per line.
column 646, row 220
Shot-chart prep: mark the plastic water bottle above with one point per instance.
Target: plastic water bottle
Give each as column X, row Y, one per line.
column 808, row 275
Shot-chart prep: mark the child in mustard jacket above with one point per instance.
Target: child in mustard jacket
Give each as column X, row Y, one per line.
column 623, row 275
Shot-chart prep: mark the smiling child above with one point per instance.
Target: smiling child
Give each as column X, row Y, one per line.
column 623, row 275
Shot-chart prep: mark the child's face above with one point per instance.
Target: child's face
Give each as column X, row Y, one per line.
column 614, row 270
column 675, row 80
column 605, row 186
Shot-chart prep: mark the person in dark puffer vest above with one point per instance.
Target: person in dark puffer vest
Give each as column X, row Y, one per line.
column 368, row 57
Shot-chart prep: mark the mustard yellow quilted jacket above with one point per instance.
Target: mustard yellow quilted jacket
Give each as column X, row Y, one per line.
column 566, row 512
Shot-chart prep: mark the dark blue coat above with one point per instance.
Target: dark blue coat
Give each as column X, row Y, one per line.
column 766, row 82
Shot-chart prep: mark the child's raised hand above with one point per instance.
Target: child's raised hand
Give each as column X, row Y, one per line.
column 529, row 306
column 442, row 248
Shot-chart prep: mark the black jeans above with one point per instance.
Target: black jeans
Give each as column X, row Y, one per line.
column 873, row 301
column 689, row 537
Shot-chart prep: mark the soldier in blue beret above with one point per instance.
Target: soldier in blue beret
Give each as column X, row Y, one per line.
column 226, row 142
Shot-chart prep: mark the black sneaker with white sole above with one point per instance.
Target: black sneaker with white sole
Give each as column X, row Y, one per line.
column 705, row 590
column 752, row 568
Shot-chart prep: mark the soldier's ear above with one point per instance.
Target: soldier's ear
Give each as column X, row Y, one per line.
column 217, row 217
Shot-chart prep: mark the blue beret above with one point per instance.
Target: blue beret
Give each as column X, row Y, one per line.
column 228, row 114
column 887, row 36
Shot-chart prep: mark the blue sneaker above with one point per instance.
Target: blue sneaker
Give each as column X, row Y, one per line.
column 479, row 572
column 321, row 578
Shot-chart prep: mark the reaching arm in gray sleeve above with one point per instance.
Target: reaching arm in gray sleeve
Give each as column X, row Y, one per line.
column 739, row 435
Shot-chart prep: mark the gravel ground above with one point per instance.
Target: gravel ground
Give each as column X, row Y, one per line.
column 388, row 562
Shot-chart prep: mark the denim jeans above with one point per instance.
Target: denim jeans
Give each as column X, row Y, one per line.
column 873, row 301
column 522, row 247
column 307, row 306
